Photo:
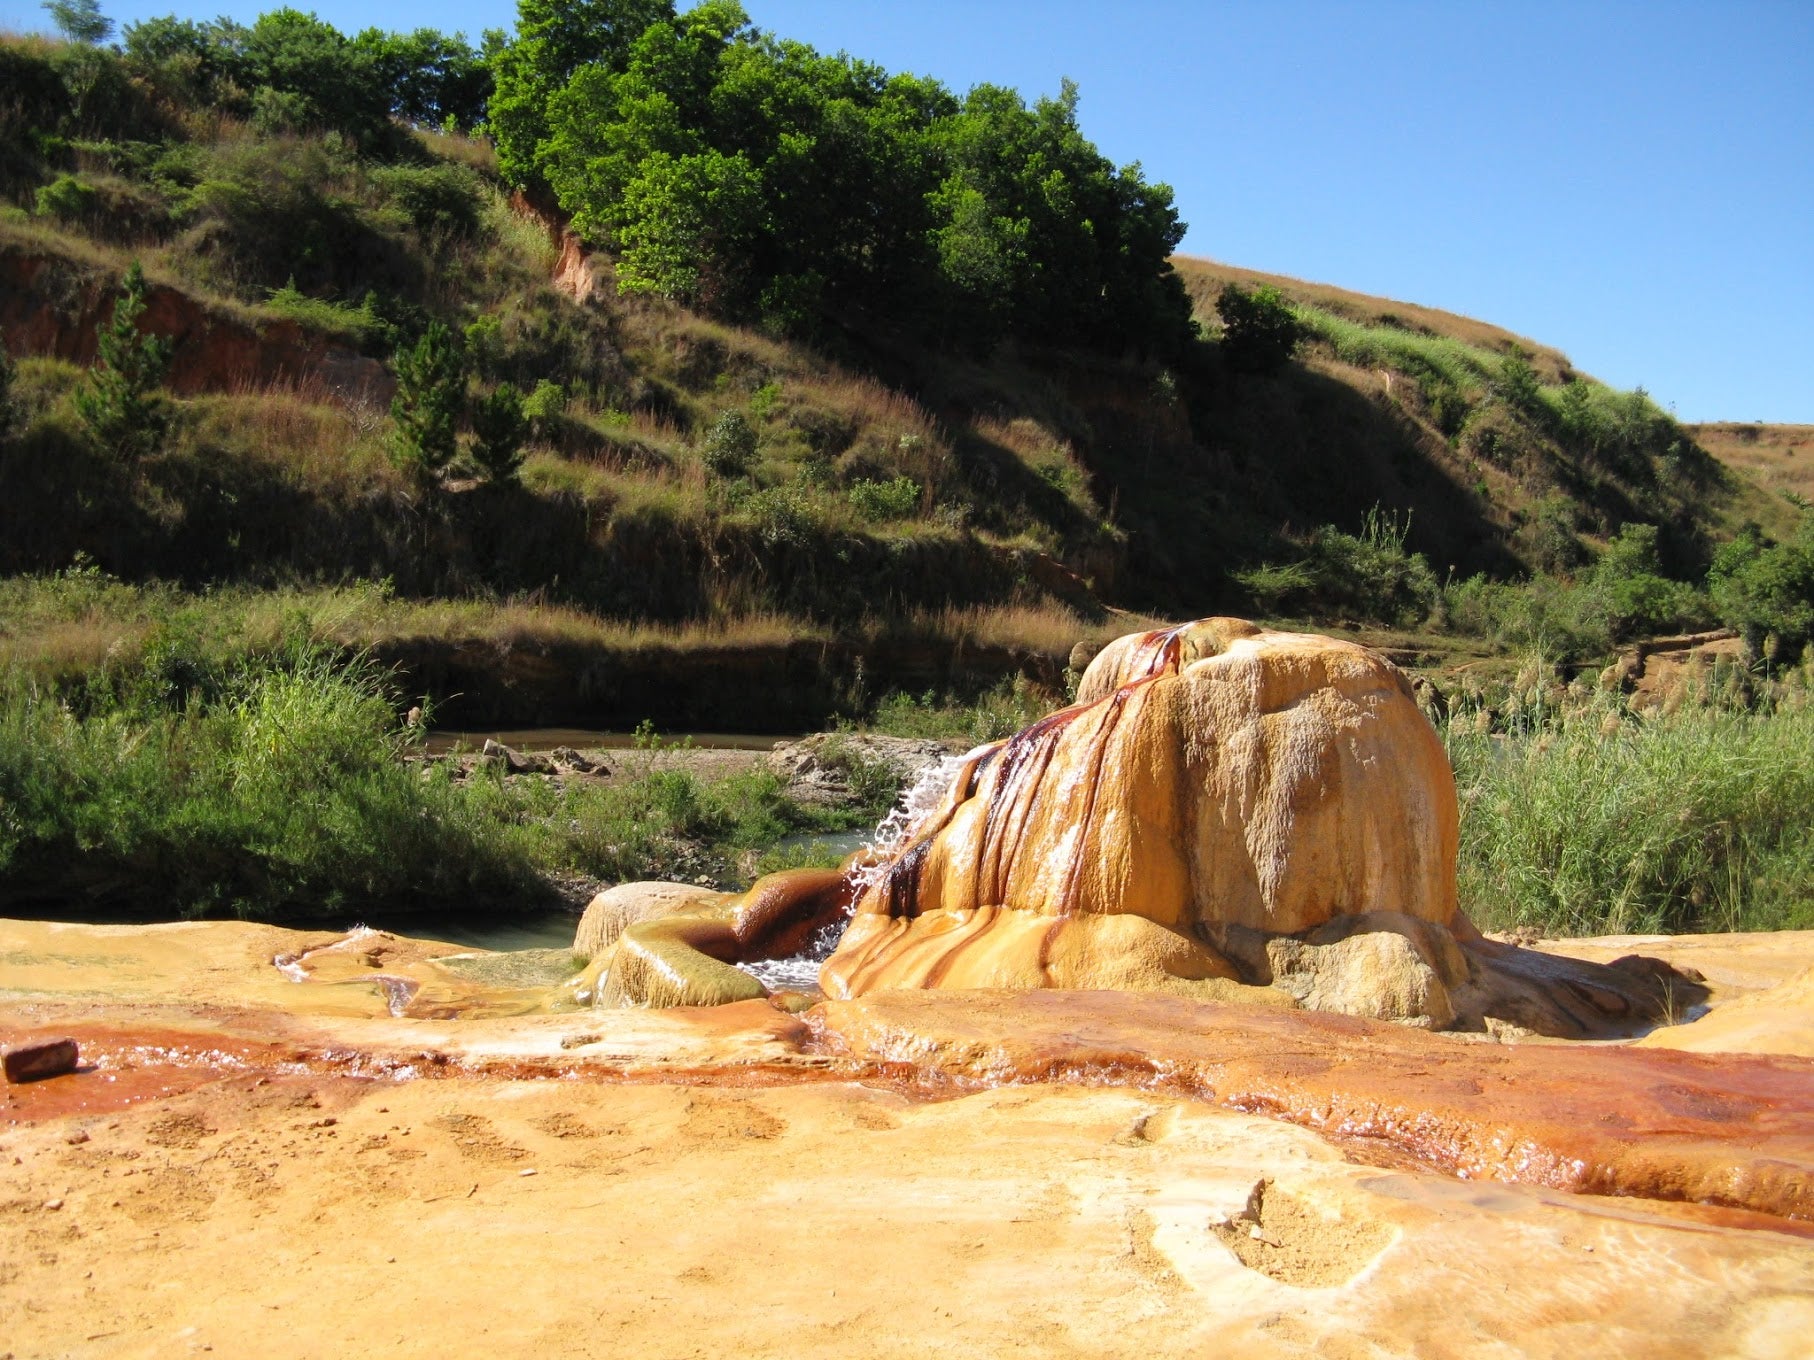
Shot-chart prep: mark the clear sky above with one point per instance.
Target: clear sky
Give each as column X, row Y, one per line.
column 1632, row 183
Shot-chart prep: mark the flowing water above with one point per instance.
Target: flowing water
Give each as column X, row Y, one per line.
column 800, row 972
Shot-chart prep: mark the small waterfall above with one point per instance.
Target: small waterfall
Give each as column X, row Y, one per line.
column 800, row 972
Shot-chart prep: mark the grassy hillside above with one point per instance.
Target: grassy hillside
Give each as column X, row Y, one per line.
column 1778, row 458
column 863, row 504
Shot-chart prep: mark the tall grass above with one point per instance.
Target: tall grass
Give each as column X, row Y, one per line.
column 1593, row 821
column 1432, row 358
column 276, row 791
column 278, row 795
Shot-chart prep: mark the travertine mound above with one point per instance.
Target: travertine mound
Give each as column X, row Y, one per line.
column 1214, row 774
column 1223, row 806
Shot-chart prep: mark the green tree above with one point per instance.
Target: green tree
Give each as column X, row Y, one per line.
column 554, row 40
column 120, row 403
column 323, row 79
column 1260, row 332
column 81, row 21
column 499, row 426
column 433, row 80
column 9, row 413
column 431, row 383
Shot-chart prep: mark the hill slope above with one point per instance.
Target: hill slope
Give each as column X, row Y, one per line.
column 940, row 514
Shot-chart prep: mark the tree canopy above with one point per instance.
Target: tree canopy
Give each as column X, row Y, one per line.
column 755, row 177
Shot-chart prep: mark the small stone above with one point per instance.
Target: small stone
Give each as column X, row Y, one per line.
column 79, row 1136
column 53, row 1204
column 35, row 1061
column 527, row 1171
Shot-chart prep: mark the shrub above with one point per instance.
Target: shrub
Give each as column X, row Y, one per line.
column 431, row 381
column 1364, row 576
column 66, row 198
column 120, row 404
column 1260, row 332
column 894, row 499
column 1766, row 591
column 545, row 406
column 440, row 201
column 1631, row 590
column 362, row 324
column 782, row 516
column 730, row 445
column 499, row 427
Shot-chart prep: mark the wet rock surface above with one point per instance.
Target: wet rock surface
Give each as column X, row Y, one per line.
column 249, row 1160
column 1224, row 806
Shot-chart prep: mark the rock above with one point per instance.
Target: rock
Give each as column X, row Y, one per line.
column 614, row 909
column 514, row 762
column 665, row 944
column 1778, row 1019
column 568, row 760
column 821, row 768
column 1372, row 966
column 1081, row 655
column 1625, row 1121
column 40, row 1059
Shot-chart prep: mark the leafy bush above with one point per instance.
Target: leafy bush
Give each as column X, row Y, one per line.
column 120, row 404
column 1362, row 576
column 1632, row 591
column 66, row 198
column 545, row 405
column 1260, row 332
column 1766, row 591
column 897, row 498
column 782, row 516
column 439, row 201
column 362, row 324
column 730, row 445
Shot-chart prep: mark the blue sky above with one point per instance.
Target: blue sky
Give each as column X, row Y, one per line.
column 1632, row 183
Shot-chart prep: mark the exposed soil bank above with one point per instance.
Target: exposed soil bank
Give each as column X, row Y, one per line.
column 783, row 688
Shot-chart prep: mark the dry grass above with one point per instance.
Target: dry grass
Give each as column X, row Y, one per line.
column 1779, row 457
column 1203, row 279
column 307, row 443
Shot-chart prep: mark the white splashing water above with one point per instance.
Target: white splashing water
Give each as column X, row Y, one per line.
column 800, row 972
